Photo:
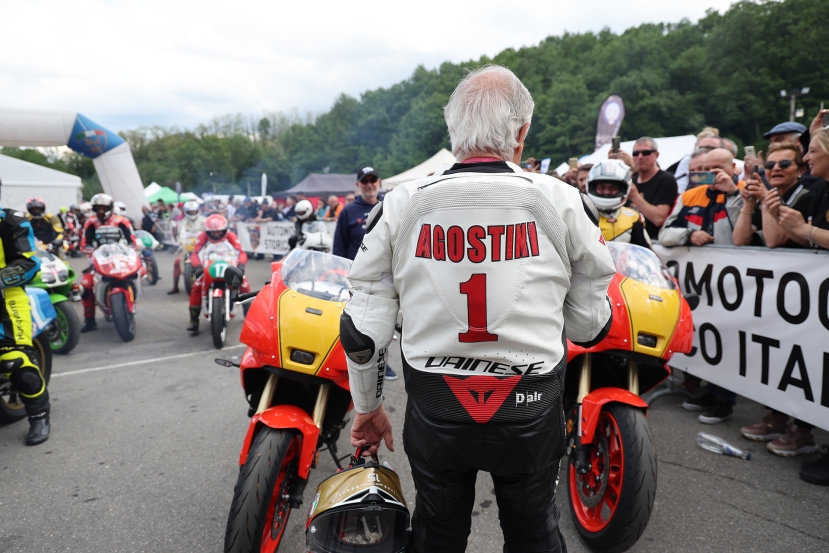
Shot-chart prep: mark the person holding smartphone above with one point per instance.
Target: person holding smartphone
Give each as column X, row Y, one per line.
column 654, row 191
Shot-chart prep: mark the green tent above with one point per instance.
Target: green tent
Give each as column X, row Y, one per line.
column 170, row 197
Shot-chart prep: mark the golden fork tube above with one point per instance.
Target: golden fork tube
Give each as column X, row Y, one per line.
column 633, row 377
column 267, row 393
column 584, row 376
column 322, row 403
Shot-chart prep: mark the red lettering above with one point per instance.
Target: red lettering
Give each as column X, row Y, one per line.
column 438, row 244
column 424, row 242
column 531, row 232
column 455, row 243
column 477, row 250
column 496, row 231
column 510, row 238
column 521, row 241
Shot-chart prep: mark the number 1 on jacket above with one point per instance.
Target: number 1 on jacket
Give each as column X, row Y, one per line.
column 475, row 291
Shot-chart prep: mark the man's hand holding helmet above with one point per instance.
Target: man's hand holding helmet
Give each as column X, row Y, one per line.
column 370, row 429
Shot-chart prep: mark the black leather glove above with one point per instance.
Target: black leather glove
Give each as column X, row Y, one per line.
column 12, row 276
column 57, row 245
column 198, row 271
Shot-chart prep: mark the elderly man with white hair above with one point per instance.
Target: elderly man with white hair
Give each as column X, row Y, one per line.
column 488, row 265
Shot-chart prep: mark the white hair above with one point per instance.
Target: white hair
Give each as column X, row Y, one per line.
column 486, row 111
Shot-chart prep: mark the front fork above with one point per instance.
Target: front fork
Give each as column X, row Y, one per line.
column 318, row 416
column 578, row 451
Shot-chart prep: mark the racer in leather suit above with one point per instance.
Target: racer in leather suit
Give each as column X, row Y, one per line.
column 192, row 222
column 488, row 265
column 47, row 227
column 18, row 265
column 104, row 228
column 215, row 231
column 608, row 186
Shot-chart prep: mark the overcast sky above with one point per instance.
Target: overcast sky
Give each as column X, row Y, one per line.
column 125, row 63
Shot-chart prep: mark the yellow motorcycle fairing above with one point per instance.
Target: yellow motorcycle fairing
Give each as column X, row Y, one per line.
column 308, row 324
column 652, row 311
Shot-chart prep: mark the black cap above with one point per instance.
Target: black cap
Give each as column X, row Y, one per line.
column 366, row 171
column 787, row 127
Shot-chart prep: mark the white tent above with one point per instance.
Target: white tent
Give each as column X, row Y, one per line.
column 433, row 164
column 21, row 180
column 671, row 150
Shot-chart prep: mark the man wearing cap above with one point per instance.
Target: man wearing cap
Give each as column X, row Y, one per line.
column 790, row 131
column 351, row 223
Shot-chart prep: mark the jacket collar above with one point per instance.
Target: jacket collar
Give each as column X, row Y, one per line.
column 483, row 167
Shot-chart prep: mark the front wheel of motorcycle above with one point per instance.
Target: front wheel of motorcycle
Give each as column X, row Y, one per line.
column 218, row 324
column 67, row 329
column 189, row 278
column 152, row 270
column 121, row 316
column 612, row 503
column 260, row 509
column 11, row 408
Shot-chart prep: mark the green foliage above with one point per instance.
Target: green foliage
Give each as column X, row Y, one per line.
column 725, row 70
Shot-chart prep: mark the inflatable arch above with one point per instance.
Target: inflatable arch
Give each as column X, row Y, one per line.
column 109, row 152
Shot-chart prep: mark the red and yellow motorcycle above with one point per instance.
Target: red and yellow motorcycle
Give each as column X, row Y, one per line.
column 295, row 378
column 612, row 469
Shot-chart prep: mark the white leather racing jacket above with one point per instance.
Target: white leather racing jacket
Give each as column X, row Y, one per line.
column 489, row 267
column 186, row 225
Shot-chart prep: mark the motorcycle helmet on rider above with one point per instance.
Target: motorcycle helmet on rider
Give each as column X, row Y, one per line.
column 608, row 185
column 119, row 208
column 359, row 508
column 36, row 207
column 102, row 206
column 303, row 210
column 216, row 228
column 191, row 210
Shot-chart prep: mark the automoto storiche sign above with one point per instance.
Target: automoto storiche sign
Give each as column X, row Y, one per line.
column 762, row 325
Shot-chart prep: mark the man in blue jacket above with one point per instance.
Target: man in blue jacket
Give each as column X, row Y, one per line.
column 351, row 223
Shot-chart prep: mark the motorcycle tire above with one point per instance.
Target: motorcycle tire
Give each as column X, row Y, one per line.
column 218, row 324
column 152, row 270
column 68, row 329
column 614, row 517
column 260, row 509
column 123, row 319
column 189, row 279
column 11, row 408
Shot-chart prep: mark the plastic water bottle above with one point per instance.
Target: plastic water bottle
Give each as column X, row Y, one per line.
column 718, row 445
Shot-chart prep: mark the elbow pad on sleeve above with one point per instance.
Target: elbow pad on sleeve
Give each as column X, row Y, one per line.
column 602, row 333
column 358, row 347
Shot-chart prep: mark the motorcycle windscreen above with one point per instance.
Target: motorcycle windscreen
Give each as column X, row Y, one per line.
column 359, row 530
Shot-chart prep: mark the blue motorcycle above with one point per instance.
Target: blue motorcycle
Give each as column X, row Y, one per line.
column 43, row 313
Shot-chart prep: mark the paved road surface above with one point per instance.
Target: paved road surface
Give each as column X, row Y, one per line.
column 143, row 457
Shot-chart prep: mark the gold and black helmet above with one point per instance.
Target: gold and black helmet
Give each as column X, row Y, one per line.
column 360, row 509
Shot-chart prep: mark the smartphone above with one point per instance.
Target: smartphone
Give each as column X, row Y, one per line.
column 697, row 178
column 617, row 141
column 826, row 120
column 750, row 151
column 574, row 163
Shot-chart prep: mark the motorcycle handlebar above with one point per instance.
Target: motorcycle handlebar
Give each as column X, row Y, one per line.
column 244, row 297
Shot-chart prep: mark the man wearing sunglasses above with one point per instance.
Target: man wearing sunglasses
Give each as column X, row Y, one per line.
column 351, row 223
column 654, row 191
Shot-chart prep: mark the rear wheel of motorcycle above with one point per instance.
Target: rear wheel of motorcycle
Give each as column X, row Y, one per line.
column 612, row 503
column 188, row 278
column 260, row 509
column 152, row 270
column 68, row 329
column 11, row 408
column 121, row 316
column 218, row 324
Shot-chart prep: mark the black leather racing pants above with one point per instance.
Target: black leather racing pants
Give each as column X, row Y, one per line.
column 523, row 459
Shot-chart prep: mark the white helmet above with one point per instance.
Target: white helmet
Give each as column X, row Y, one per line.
column 191, row 210
column 102, row 205
column 303, row 210
column 119, row 208
column 612, row 171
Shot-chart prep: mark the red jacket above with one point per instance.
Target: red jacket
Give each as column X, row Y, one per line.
column 93, row 223
column 230, row 237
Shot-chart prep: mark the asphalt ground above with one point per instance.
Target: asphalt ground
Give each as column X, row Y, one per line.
column 146, row 438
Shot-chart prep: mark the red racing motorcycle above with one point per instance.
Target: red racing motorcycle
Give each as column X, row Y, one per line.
column 117, row 285
column 295, row 378
column 612, row 468
column 222, row 281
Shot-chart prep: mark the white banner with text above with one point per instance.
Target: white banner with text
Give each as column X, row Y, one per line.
column 269, row 238
column 762, row 325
